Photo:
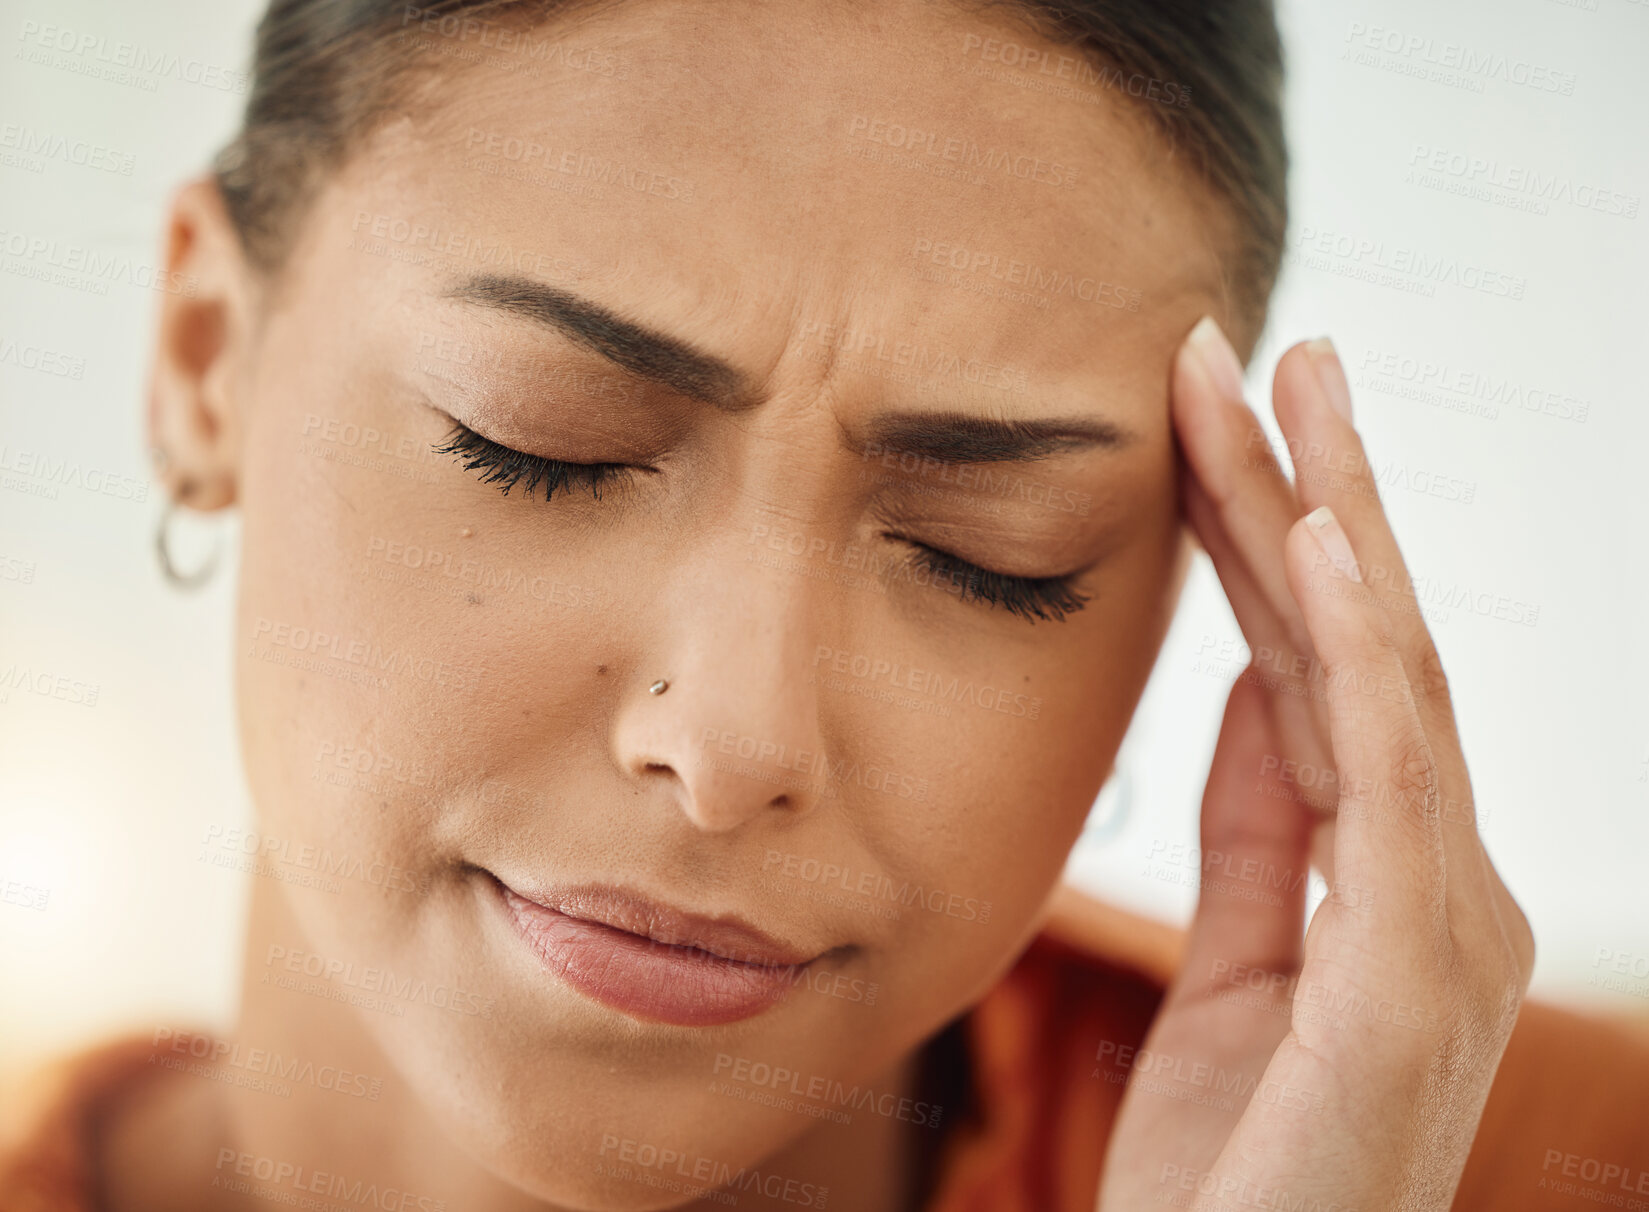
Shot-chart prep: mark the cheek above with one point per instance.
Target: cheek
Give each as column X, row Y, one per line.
column 1035, row 778
column 1011, row 739
column 394, row 643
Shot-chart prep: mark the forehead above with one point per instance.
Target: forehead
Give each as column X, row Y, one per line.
column 754, row 175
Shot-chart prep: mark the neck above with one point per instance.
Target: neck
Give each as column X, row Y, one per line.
column 198, row 1144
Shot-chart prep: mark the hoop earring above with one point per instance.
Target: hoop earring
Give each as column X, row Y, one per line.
column 163, row 552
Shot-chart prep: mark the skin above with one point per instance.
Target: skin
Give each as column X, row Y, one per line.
column 523, row 741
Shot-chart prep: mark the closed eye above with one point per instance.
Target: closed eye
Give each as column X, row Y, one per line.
column 1030, row 598
column 506, row 467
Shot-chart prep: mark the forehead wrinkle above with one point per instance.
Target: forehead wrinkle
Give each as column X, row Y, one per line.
column 1130, row 216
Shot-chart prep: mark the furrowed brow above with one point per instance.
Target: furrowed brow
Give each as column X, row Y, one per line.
column 633, row 347
column 951, row 437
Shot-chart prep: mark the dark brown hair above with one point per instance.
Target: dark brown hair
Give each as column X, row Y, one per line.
column 1206, row 73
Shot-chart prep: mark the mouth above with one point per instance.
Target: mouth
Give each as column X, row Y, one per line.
column 652, row 961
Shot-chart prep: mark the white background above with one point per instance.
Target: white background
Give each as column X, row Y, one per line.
column 105, row 805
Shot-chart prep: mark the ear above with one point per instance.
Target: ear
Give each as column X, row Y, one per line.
column 202, row 352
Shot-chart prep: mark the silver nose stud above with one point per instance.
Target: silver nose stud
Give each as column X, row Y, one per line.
column 658, row 687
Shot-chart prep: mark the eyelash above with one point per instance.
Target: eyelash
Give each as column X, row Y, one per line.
column 1030, row 598
column 507, row 467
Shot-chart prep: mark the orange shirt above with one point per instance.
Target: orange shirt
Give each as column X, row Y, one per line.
column 1566, row 1126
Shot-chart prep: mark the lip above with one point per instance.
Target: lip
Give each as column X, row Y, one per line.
column 653, row 961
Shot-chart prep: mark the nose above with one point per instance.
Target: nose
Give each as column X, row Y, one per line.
column 736, row 731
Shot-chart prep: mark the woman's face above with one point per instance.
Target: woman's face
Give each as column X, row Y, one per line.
column 852, row 306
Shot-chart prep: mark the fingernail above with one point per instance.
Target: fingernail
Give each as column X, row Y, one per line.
column 1331, row 537
column 1218, row 358
column 1326, row 362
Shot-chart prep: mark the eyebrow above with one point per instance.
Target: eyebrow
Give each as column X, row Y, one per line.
column 947, row 437
column 635, row 347
column 951, row 437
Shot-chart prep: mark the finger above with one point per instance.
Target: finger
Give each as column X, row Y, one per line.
column 1388, row 836
column 1446, row 926
column 1242, row 521
column 1263, row 630
column 1229, row 1006
column 1231, row 459
column 1251, row 902
column 1313, row 405
column 1301, row 723
column 1333, row 469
